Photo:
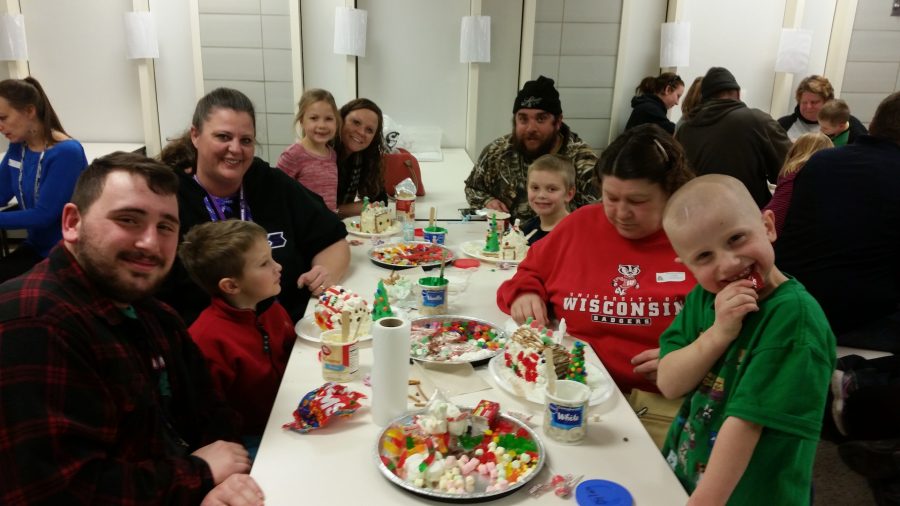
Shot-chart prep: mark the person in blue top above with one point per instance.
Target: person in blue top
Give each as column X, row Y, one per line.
column 39, row 169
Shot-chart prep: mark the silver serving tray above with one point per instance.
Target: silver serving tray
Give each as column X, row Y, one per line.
column 446, row 496
column 422, row 321
column 449, row 256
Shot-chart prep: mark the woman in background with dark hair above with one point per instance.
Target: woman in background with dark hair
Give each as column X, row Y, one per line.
column 221, row 179
column 609, row 270
column 40, row 169
column 654, row 97
column 360, row 148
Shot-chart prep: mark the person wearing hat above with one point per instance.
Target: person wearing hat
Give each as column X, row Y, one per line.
column 724, row 136
column 498, row 179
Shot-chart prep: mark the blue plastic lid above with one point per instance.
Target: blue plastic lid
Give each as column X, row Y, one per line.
column 602, row 492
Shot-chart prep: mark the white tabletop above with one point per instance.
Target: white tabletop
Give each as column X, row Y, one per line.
column 444, row 185
column 337, row 464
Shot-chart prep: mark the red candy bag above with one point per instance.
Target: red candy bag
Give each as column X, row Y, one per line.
column 319, row 406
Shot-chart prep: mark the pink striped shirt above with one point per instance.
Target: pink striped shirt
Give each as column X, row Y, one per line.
column 317, row 173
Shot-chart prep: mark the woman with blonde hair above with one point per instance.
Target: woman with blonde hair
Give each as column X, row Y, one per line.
column 690, row 101
column 799, row 154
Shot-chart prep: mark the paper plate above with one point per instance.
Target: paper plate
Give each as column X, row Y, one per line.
column 473, row 249
column 479, row 494
column 307, row 329
column 601, row 385
column 352, row 224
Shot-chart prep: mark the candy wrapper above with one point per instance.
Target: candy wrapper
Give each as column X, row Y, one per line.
column 319, row 406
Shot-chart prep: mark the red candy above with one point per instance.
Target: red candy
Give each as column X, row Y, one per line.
column 757, row 280
column 487, row 409
column 319, row 406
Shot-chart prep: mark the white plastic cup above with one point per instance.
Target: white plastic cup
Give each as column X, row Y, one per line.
column 565, row 418
column 340, row 360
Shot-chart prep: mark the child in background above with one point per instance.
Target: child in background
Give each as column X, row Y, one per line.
column 312, row 161
column 551, row 186
column 245, row 335
column 797, row 156
column 834, row 121
column 751, row 350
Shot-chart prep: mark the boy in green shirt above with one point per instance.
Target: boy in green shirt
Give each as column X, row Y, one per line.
column 751, row 351
column 834, row 121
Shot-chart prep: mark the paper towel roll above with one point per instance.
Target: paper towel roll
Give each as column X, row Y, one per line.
column 390, row 369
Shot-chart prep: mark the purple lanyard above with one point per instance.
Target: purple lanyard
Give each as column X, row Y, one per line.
column 215, row 211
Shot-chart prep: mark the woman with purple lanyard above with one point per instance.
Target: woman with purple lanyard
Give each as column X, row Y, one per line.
column 221, row 179
column 39, row 169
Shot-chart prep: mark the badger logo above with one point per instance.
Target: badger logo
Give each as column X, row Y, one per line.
column 626, row 281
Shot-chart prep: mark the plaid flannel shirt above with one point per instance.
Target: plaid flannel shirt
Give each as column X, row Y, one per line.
column 97, row 407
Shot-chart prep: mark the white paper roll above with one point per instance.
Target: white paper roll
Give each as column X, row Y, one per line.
column 390, row 369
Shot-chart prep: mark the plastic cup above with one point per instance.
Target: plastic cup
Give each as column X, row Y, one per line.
column 406, row 204
column 433, row 295
column 340, row 359
column 435, row 235
column 565, row 419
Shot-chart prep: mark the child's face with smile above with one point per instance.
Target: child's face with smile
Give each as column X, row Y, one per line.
column 547, row 193
column 723, row 245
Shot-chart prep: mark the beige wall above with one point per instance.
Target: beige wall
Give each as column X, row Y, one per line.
column 873, row 63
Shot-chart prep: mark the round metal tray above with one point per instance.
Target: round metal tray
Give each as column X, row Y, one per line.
column 449, row 256
column 422, row 321
column 478, row 496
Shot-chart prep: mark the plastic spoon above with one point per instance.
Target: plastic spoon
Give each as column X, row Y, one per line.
column 345, row 326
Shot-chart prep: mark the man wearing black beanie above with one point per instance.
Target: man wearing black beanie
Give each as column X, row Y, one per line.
column 724, row 136
column 499, row 178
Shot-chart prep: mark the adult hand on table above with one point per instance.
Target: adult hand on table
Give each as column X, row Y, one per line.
column 496, row 205
column 316, row 279
column 224, row 459
column 529, row 305
column 236, row 490
column 646, row 363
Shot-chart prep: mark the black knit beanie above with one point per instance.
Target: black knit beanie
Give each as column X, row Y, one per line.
column 539, row 94
column 717, row 79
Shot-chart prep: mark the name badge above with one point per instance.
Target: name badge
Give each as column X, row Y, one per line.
column 16, row 164
column 276, row 240
column 669, row 277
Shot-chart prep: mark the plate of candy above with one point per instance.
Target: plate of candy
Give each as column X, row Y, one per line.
column 451, row 339
column 405, row 255
column 457, row 454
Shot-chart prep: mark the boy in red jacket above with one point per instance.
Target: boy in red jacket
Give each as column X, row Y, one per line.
column 245, row 335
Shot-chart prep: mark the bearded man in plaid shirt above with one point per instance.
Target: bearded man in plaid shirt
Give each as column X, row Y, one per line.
column 104, row 399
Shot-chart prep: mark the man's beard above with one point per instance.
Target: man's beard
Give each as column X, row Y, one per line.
column 544, row 148
column 105, row 277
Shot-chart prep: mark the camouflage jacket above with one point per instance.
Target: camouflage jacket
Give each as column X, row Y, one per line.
column 501, row 172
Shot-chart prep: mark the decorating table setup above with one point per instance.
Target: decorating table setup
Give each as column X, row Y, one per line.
column 469, row 407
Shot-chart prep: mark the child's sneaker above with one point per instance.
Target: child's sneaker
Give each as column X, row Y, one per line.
column 842, row 384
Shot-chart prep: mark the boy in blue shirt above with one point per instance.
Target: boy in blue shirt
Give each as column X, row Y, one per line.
column 751, row 351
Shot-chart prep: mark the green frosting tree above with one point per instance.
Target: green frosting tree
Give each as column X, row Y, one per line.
column 576, row 364
column 492, row 243
column 381, row 308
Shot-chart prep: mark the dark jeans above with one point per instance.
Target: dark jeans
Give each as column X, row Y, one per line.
column 872, row 410
column 18, row 262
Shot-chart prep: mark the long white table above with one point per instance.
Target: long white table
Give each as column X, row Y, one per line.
column 337, row 464
column 444, row 185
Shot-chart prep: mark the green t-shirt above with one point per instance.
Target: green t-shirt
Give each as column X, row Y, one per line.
column 775, row 374
column 841, row 139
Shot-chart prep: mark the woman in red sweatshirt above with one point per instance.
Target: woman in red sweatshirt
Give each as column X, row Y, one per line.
column 609, row 269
